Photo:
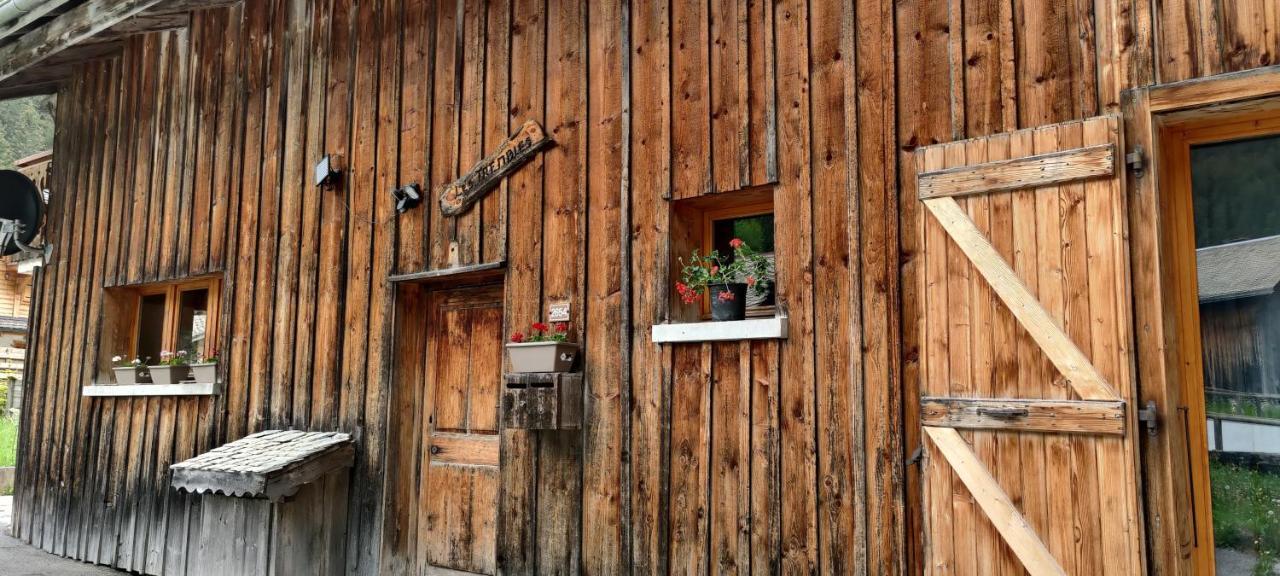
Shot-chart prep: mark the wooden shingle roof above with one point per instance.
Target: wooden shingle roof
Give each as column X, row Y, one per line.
column 270, row 464
column 1239, row 269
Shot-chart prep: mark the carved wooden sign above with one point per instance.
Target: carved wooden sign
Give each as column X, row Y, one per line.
column 462, row 193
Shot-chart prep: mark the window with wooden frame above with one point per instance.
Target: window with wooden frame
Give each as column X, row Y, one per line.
column 147, row 321
column 709, row 223
column 1219, row 211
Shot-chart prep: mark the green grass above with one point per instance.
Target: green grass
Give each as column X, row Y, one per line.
column 8, row 441
column 1246, row 512
column 1268, row 410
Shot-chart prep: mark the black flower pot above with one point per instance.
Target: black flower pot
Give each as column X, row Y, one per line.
column 726, row 307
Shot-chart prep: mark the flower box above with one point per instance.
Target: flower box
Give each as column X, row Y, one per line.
column 126, row 375
column 549, row 356
column 204, row 372
column 169, row 373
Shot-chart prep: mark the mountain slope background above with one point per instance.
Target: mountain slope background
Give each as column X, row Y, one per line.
column 26, row 127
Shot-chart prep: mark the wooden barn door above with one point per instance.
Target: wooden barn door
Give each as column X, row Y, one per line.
column 458, row 491
column 1029, row 425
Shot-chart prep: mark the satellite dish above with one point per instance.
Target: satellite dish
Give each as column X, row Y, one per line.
column 21, row 213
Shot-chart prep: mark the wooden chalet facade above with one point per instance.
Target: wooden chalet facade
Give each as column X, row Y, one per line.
column 958, row 221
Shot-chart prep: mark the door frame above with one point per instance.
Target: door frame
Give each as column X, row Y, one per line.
column 1161, row 123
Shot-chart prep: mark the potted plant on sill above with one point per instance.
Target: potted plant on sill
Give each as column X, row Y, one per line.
column 205, row 369
column 172, row 369
column 130, row 371
column 545, row 349
column 727, row 280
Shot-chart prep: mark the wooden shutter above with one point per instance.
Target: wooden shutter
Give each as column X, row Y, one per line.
column 1027, row 408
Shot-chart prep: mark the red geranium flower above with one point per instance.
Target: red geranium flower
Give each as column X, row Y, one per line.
column 561, row 326
column 726, row 296
column 517, row 337
column 736, row 242
column 751, row 280
column 539, row 326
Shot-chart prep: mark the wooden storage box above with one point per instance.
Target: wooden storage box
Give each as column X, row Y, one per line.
column 542, row 401
column 272, row 503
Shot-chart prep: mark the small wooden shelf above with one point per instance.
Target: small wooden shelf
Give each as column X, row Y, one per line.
column 183, row 389
column 771, row 328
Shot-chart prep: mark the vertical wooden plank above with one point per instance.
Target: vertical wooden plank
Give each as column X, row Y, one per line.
column 357, row 326
column 690, row 454
column 177, row 135
column 690, row 101
column 415, row 129
column 469, row 87
column 726, row 103
column 159, row 158
column 310, row 233
column 888, row 408
column 399, row 528
column 1004, row 349
column 206, row 157
column 935, row 378
column 605, row 332
column 650, row 184
column 266, row 277
column 497, row 87
column 729, row 466
column 239, row 394
column 444, row 125
column 330, row 291
column 766, row 459
column 227, row 140
column 838, row 339
column 1045, row 73
column 793, row 206
column 295, row 184
column 145, row 142
column 761, row 98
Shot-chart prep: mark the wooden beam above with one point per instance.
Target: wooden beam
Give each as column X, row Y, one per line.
column 1218, row 89
column 1054, row 416
column 986, row 491
column 38, row 12
column 1020, row 173
column 463, row 449
column 68, row 29
column 1066, row 357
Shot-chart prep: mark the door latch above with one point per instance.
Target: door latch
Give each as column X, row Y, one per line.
column 1149, row 417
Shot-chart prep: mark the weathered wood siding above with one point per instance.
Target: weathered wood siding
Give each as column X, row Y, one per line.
column 191, row 152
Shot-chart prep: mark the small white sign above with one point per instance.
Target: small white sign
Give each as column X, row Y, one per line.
column 558, row 311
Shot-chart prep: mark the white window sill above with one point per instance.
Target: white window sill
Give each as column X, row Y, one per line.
column 184, row 389
column 770, row 328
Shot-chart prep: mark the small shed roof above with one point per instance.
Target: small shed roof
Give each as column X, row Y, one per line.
column 1239, row 269
column 270, row 464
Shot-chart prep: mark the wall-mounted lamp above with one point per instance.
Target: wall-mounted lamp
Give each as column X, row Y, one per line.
column 407, row 197
column 327, row 171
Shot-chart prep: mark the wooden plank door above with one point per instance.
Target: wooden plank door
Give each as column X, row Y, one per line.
column 458, row 491
column 1029, row 425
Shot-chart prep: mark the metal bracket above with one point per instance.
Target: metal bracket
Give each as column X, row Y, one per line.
column 1150, row 417
column 916, row 456
column 1136, row 161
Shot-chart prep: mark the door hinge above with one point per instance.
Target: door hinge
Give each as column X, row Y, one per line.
column 1149, row 417
column 1135, row 160
column 916, row 456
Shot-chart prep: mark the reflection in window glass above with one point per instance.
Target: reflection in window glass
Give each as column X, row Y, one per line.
column 193, row 317
column 1237, row 228
column 150, row 327
column 757, row 232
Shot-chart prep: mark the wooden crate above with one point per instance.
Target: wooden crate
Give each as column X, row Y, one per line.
column 542, row 401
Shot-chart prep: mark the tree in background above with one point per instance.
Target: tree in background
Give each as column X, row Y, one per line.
column 26, row 127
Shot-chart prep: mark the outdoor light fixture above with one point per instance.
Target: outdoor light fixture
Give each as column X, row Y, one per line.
column 327, row 172
column 407, row 197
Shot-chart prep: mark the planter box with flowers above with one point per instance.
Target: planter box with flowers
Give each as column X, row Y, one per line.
column 205, row 369
column 727, row 279
column 172, row 369
column 544, row 349
column 130, row 371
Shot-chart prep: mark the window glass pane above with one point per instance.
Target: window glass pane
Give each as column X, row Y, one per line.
column 757, row 232
column 151, row 328
column 193, row 317
column 1236, row 203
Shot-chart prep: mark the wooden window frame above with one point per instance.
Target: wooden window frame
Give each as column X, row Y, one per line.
column 1177, row 136
column 1163, row 269
column 691, row 227
column 173, row 292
